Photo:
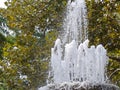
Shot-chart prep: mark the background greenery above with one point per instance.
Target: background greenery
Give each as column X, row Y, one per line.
column 37, row 24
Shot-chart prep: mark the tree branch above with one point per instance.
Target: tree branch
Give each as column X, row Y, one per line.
column 113, row 73
column 114, row 58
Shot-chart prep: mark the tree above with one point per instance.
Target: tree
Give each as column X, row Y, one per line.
column 30, row 13
column 35, row 23
column 104, row 28
column 2, row 37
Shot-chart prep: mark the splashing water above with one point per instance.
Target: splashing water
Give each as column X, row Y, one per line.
column 80, row 63
column 75, row 25
column 72, row 61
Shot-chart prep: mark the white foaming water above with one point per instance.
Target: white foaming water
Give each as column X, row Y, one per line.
column 75, row 25
column 76, row 62
column 80, row 63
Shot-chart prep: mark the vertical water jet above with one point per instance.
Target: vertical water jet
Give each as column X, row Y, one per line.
column 74, row 65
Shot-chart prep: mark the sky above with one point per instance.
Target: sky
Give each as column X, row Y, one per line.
column 2, row 5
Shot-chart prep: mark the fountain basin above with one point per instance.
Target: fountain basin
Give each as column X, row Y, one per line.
column 80, row 86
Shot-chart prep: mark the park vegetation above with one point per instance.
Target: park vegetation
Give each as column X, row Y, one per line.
column 24, row 57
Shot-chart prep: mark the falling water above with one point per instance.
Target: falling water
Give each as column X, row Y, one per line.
column 75, row 23
column 79, row 63
column 72, row 60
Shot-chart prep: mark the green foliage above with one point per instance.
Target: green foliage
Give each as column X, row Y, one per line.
column 29, row 52
column 2, row 41
column 2, row 20
column 23, row 60
column 103, row 24
column 27, row 14
column 104, row 28
column 2, row 37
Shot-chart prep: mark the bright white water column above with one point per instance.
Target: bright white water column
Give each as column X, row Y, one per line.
column 71, row 61
column 79, row 64
column 75, row 22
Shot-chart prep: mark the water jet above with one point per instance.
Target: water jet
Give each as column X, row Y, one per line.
column 75, row 65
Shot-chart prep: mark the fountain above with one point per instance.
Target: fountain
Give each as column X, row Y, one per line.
column 74, row 65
